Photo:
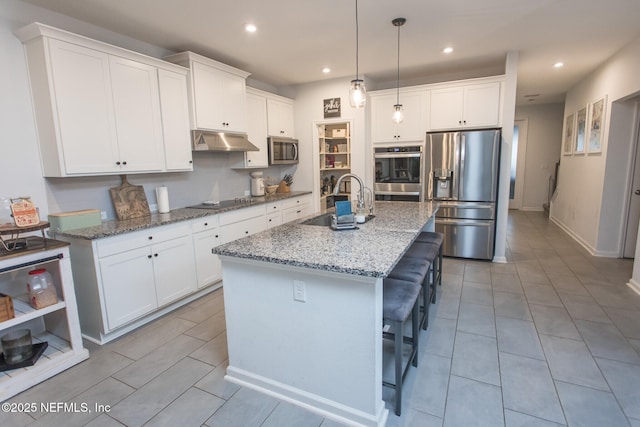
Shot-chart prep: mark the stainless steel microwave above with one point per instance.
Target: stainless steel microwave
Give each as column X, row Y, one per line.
column 283, row 151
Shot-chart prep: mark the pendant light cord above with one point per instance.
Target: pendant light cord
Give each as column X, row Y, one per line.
column 398, row 80
column 357, row 78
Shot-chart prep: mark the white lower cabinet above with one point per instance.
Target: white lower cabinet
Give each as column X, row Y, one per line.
column 296, row 208
column 206, row 236
column 140, row 280
column 129, row 288
column 130, row 279
column 241, row 223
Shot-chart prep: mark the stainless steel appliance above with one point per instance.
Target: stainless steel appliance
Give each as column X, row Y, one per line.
column 203, row 140
column 462, row 173
column 398, row 173
column 282, row 151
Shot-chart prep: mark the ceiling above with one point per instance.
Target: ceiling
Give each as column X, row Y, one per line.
column 297, row 38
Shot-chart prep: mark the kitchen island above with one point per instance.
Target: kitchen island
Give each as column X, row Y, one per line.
column 303, row 307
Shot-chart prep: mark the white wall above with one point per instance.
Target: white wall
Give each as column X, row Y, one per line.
column 20, row 173
column 544, row 138
column 309, row 110
column 591, row 199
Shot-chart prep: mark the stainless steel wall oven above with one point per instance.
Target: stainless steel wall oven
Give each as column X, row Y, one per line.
column 399, row 172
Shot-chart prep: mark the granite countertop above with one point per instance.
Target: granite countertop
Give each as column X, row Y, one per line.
column 371, row 250
column 116, row 227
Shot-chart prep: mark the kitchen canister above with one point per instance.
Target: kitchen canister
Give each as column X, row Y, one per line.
column 16, row 346
column 162, row 196
column 42, row 291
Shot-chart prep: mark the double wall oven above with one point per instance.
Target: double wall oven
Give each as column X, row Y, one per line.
column 399, row 172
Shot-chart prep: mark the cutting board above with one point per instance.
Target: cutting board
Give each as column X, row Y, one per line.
column 129, row 200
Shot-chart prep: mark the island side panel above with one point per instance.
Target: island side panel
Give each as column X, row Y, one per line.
column 324, row 353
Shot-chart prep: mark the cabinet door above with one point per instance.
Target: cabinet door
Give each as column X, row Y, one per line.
column 414, row 125
column 281, row 118
column 208, row 265
column 482, row 105
column 137, row 112
column 128, row 286
column 174, row 108
column 446, row 108
column 219, row 99
column 174, row 269
column 383, row 129
column 257, row 131
column 86, row 129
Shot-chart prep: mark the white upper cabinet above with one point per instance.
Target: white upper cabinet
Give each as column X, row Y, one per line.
column 217, row 93
column 173, row 103
column 137, row 113
column 98, row 107
column 257, row 131
column 465, row 106
column 281, row 117
column 414, row 125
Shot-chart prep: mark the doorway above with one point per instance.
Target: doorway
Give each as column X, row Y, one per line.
column 518, row 162
column 633, row 215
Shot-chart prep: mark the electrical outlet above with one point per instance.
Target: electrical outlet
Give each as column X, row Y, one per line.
column 103, row 215
column 247, row 192
column 299, row 292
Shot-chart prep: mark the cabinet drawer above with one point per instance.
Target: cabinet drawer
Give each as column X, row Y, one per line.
column 242, row 229
column 273, row 207
column 203, row 224
column 294, row 202
column 274, row 219
column 141, row 238
column 241, row 214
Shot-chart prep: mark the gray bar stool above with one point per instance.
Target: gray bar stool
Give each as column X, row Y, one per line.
column 400, row 299
column 415, row 269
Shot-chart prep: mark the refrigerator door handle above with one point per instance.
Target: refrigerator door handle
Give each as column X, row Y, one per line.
column 462, row 150
column 468, row 222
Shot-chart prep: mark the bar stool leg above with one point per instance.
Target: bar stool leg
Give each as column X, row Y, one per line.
column 399, row 337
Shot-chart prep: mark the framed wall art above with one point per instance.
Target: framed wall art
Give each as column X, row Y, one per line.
column 596, row 122
column 581, row 130
column 567, row 142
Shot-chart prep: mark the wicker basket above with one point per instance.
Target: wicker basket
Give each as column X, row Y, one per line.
column 6, row 308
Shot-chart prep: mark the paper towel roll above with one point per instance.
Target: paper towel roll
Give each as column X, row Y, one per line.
column 162, row 195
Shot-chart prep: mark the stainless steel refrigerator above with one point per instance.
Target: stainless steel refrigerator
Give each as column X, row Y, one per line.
column 462, row 174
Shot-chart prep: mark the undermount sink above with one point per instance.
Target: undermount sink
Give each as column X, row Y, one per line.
column 325, row 220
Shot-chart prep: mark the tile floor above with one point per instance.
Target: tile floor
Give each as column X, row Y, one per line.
column 551, row 338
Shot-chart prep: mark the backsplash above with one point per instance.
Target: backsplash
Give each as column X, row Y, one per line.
column 212, row 179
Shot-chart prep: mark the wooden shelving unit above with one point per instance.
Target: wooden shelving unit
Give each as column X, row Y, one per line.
column 57, row 324
column 334, row 144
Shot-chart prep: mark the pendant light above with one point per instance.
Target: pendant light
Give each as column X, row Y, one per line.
column 398, row 115
column 357, row 90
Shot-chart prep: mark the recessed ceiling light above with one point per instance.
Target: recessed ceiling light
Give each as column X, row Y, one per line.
column 558, row 65
column 447, row 50
column 326, row 70
column 250, row 28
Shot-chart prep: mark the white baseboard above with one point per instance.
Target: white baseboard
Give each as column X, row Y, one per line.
column 500, row 259
column 635, row 286
column 574, row 236
column 532, row 209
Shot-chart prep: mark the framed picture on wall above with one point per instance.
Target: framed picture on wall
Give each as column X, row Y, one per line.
column 596, row 121
column 581, row 130
column 567, row 142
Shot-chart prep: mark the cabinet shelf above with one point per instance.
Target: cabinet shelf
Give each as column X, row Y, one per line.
column 58, row 356
column 24, row 312
column 336, row 169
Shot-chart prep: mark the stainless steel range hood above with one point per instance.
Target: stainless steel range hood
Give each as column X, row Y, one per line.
column 221, row 141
